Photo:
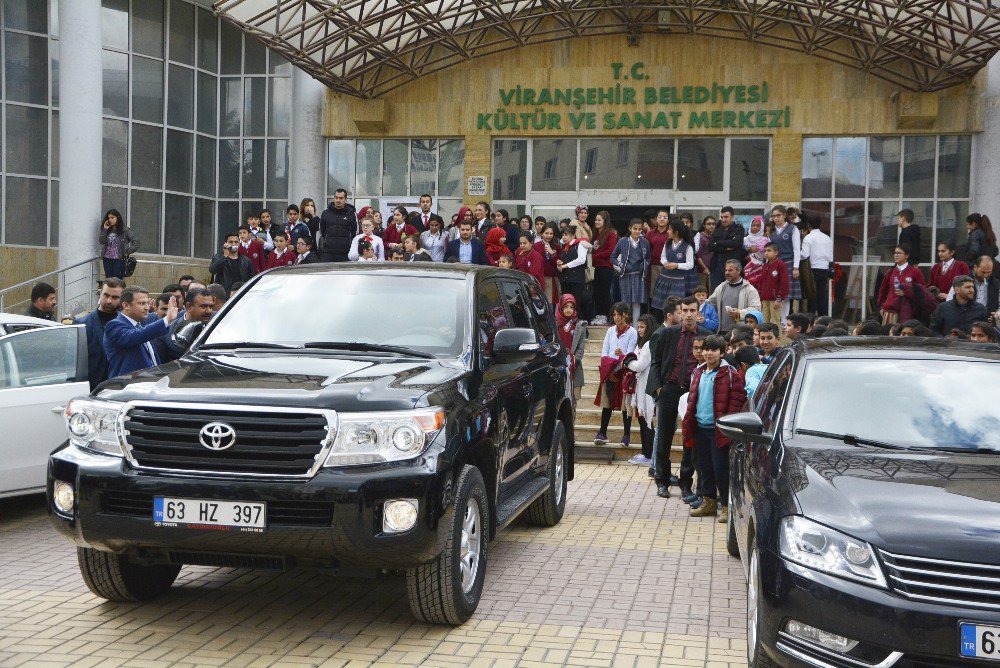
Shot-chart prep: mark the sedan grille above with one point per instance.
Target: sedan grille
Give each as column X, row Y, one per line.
column 266, row 443
column 951, row 582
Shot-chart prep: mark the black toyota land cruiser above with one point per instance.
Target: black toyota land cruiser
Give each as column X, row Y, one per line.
column 362, row 418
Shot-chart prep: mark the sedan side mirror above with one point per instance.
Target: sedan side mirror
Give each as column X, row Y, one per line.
column 186, row 334
column 516, row 344
column 743, row 427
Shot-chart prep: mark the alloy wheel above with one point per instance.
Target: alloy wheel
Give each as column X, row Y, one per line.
column 472, row 539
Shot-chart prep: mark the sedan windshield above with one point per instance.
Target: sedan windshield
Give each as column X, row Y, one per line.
column 935, row 404
column 424, row 314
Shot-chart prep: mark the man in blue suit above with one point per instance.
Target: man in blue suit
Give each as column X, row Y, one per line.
column 127, row 338
column 466, row 249
column 94, row 322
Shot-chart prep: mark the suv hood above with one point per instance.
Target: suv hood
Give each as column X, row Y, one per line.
column 307, row 380
column 939, row 505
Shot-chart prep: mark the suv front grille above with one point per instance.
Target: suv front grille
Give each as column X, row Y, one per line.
column 952, row 582
column 279, row 513
column 267, row 443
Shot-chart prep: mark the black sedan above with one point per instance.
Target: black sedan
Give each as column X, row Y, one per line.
column 865, row 504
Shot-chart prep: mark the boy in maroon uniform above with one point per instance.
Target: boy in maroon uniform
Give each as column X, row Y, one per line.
column 774, row 285
column 528, row 260
column 283, row 255
column 252, row 247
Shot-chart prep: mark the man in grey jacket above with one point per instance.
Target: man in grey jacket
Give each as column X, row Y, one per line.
column 734, row 297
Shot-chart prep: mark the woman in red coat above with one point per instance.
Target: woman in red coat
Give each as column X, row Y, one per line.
column 549, row 250
column 528, row 260
column 495, row 246
column 604, row 241
column 947, row 270
column 896, row 296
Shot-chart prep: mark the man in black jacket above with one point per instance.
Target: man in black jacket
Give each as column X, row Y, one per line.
column 726, row 243
column 337, row 225
column 229, row 267
column 673, row 365
column 961, row 310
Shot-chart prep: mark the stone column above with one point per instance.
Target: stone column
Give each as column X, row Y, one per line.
column 986, row 150
column 307, row 172
column 80, row 149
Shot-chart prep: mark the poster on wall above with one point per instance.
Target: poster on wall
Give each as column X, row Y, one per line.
column 477, row 186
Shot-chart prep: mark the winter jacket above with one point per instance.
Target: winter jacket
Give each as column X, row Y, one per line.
column 774, row 282
column 730, row 397
column 338, row 227
column 128, row 243
column 887, row 298
column 951, row 315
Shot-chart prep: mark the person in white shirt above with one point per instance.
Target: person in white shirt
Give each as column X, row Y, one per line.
column 620, row 340
column 367, row 234
column 434, row 240
column 817, row 247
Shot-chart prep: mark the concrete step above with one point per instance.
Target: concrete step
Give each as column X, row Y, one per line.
column 609, row 454
column 584, row 433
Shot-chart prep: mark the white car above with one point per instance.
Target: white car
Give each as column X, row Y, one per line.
column 42, row 366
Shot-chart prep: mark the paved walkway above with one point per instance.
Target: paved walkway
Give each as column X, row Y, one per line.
column 626, row 579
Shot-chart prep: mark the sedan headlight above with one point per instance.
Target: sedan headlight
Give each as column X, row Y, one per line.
column 93, row 425
column 373, row 438
column 824, row 549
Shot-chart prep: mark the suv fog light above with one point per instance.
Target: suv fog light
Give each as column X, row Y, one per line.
column 399, row 515
column 825, row 639
column 63, row 497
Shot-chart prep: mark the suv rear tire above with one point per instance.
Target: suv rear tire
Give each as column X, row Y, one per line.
column 548, row 509
column 116, row 578
column 447, row 590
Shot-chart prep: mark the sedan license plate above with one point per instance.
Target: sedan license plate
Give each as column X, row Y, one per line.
column 980, row 641
column 209, row 513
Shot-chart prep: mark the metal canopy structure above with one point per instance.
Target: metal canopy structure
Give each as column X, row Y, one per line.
column 365, row 48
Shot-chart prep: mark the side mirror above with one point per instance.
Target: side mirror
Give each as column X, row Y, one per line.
column 516, row 344
column 186, row 334
column 743, row 427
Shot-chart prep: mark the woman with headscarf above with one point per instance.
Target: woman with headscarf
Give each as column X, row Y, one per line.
column 496, row 246
column 756, row 232
column 573, row 333
column 465, row 213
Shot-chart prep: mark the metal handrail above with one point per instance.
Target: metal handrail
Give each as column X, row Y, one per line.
column 32, row 281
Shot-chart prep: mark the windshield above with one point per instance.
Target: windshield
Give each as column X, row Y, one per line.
column 911, row 403
column 423, row 313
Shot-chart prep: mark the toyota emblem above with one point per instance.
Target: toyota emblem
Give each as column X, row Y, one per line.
column 217, row 436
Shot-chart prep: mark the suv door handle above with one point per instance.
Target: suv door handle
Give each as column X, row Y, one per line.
column 58, row 409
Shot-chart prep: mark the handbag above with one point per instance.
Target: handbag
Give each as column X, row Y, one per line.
column 130, row 263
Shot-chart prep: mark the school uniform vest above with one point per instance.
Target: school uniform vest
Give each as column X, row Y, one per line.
column 786, row 245
column 678, row 255
column 575, row 274
column 634, row 258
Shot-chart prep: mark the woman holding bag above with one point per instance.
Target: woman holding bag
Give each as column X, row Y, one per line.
column 118, row 243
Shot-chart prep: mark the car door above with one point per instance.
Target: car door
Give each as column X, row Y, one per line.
column 40, row 371
column 768, row 400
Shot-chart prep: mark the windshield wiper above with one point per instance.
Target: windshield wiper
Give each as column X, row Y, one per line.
column 367, row 347
column 232, row 345
column 851, row 439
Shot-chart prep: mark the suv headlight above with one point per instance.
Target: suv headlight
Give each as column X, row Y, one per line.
column 373, row 438
column 824, row 549
column 93, row 425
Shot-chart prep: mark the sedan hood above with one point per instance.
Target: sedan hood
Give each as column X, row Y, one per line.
column 306, row 380
column 939, row 505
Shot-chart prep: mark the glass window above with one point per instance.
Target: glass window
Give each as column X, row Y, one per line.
column 369, row 162
column 30, row 15
column 43, row 356
column 228, row 221
column 515, row 305
column 749, row 167
column 54, row 162
column 423, row 166
column 147, row 90
column 231, row 106
column 113, row 197
column 115, row 160
column 26, row 64
column 773, row 397
column 204, row 182
column 144, row 219
column 208, row 104
column 208, row 41
column 600, row 168
column 700, row 164
column 277, row 168
column 54, row 60
column 182, row 32
column 553, row 164
column 54, row 213
column 180, row 154
column 254, row 56
column 27, row 211
column 849, row 229
column 817, row 167
column 339, row 165
column 204, row 228
column 510, row 169
column 177, row 225
column 883, row 230
column 492, row 317
column 254, row 106
column 951, row 227
column 180, row 97
column 147, row 152
column 850, row 167
column 954, row 156
column 923, row 215
column 114, row 23
column 27, row 141
column 147, row 27
column 395, row 160
column 230, row 165
column 232, row 49
column 918, row 166
column 884, row 155
column 115, row 83
column 253, row 169
column 278, row 65
column 451, row 168
column 279, row 106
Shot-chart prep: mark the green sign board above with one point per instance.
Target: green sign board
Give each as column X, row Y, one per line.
column 640, row 106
